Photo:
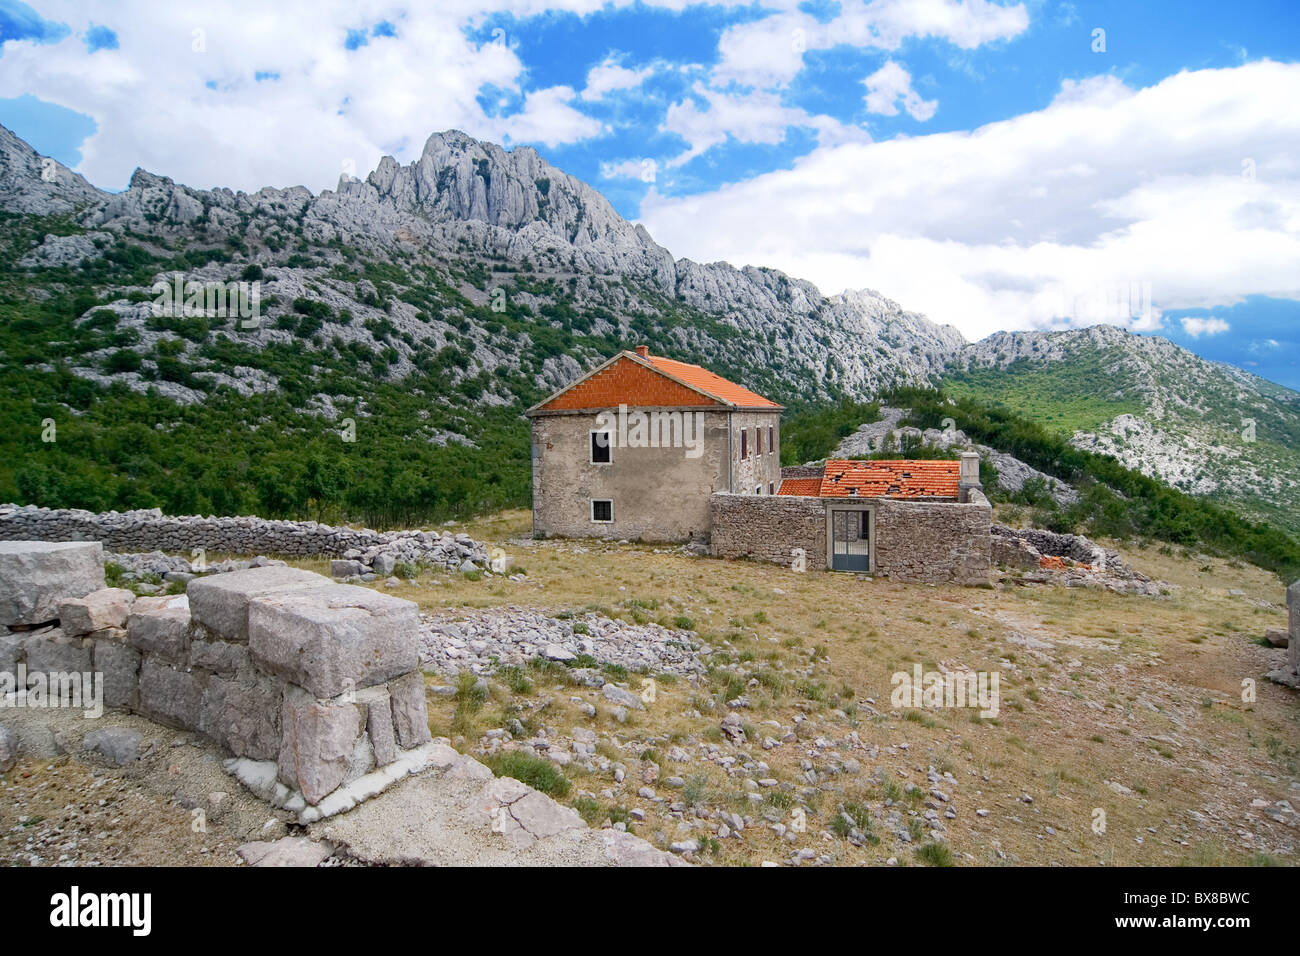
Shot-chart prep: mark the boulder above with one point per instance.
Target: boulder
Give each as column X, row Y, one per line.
column 35, row 576
column 346, row 568
column 334, row 639
column 118, row 745
column 161, row 626
column 107, row 607
column 220, row 602
column 317, row 742
column 8, row 750
column 1277, row 637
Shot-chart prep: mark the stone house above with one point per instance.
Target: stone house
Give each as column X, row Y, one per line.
column 635, row 449
column 648, row 448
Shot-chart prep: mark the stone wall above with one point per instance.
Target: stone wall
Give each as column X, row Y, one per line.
column 768, row 529
column 151, row 530
column 930, row 541
column 314, row 686
column 934, row 541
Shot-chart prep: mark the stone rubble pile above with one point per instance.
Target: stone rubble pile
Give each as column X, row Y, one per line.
column 480, row 641
column 312, row 685
column 151, row 531
column 1069, row 559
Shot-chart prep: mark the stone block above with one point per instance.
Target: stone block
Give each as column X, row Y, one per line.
column 107, row 607
column 317, row 742
column 220, row 601
column 346, row 568
column 51, row 652
column 160, row 626
column 169, row 695
column 379, row 723
column 36, row 575
column 243, row 714
column 120, row 666
column 333, row 639
column 218, row 657
column 410, row 710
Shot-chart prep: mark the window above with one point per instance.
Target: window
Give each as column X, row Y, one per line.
column 758, row 490
column 758, row 441
column 744, row 443
column 600, row 445
column 602, row 510
column 771, row 488
column 771, row 439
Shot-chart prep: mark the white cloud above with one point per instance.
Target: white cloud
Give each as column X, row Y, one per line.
column 1196, row 327
column 755, row 117
column 890, row 84
column 609, row 76
column 330, row 109
column 769, row 52
column 1008, row 225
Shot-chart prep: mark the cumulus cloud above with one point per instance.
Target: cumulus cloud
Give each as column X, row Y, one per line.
column 1015, row 223
column 1196, row 327
column 178, row 94
column 891, row 84
column 610, row 76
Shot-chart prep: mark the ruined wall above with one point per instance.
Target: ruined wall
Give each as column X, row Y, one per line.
column 769, row 529
column 151, row 530
column 315, row 684
column 929, row 541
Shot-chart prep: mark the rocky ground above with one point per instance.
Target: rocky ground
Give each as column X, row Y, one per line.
column 738, row 713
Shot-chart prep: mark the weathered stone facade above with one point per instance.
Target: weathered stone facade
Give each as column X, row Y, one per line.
column 927, row 541
column 656, row 493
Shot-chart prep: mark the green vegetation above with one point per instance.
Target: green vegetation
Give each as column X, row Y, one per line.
column 537, row 772
column 812, row 433
column 1060, row 396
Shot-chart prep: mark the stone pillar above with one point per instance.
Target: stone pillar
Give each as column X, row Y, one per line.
column 970, row 475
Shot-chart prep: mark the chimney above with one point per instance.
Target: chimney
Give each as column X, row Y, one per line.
column 970, row 475
column 643, row 351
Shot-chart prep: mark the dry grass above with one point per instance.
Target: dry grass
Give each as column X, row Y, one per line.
column 1142, row 692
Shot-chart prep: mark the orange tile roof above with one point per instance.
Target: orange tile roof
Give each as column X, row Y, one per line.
column 715, row 385
column 808, row 487
column 897, row 478
column 652, row 381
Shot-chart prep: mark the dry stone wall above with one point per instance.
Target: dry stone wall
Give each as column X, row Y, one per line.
column 313, row 686
column 930, row 541
column 151, row 530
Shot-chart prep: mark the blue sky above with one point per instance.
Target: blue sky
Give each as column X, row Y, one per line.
column 975, row 160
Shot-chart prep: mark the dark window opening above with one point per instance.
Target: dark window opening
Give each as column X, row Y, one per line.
column 600, row 448
column 602, row 510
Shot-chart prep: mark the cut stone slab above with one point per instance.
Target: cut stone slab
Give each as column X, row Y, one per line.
column 410, row 710
column 334, row 639
column 35, row 576
column 161, row 626
column 118, row 745
column 287, row 851
column 107, row 607
column 169, row 695
column 120, row 666
column 243, row 714
column 218, row 657
column 317, row 742
column 51, row 653
column 220, row 601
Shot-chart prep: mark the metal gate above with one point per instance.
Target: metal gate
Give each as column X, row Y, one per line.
column 850, row 540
